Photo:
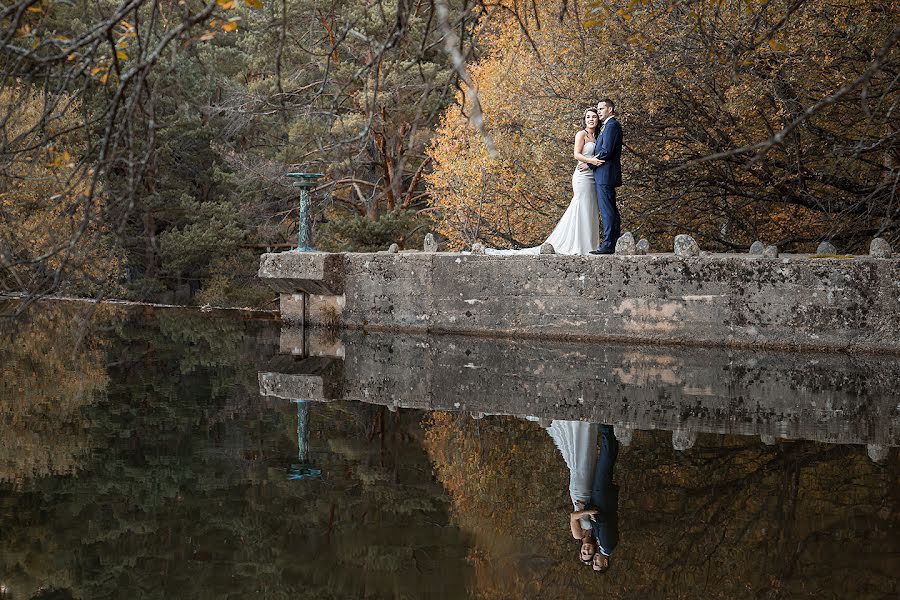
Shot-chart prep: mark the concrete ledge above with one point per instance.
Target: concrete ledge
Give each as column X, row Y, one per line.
column 303, row 272
column 733, row 300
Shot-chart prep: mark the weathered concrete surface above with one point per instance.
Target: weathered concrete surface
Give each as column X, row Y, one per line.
column 737, row 300
column 306, row 272
column 825, row 397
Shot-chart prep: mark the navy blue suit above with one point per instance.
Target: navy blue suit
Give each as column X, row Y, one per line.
column 605, row 495
column 607, row 177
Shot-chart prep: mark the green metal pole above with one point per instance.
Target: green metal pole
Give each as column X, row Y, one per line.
column 303, row 432
column 303, row 235
column 304, row 181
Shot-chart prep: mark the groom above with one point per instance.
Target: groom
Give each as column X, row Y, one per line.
column 608, row 174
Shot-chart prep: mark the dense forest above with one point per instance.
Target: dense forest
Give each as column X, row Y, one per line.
column 144, row 143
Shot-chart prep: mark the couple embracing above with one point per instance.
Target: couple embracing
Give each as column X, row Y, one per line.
column 595, row 499
column 598, row 150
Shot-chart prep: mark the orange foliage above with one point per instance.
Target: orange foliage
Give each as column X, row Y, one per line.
column 689, row 80
column 46, row 209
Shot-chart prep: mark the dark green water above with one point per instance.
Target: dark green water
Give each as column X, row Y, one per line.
column 138, row 459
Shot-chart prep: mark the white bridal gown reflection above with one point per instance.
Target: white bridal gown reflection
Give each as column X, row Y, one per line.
column 577, row 442
column 578, row 231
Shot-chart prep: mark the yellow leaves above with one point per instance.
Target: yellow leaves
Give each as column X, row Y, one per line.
column 776, row 46
column 230, row 4
column 526, row 105
column 214, row 24
column 126, row 30
column 103, row 73
column 59, row 159
column 121, row 55
column 35, row 9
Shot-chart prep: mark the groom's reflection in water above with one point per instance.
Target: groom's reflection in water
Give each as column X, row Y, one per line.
column 604, row 504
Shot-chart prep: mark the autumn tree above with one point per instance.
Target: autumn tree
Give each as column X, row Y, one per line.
column 45, row 203
column 736, row 128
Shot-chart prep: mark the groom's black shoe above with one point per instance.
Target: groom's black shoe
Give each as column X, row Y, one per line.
column 607, row 251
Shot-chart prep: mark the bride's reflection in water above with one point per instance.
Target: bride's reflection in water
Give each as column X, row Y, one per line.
column 594, row 520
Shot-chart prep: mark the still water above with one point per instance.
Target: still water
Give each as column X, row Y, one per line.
column 170, row 454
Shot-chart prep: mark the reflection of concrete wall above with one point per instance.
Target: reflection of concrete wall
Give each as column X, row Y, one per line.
column 305, row 378
column 722, row 299
column 831, row 398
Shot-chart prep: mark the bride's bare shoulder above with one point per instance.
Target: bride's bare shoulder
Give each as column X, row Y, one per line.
column 580, row 135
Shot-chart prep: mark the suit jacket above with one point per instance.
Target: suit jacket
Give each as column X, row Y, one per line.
column 609, row 148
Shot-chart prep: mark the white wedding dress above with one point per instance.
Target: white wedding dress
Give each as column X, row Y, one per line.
column 578, row 231
column 577, row 442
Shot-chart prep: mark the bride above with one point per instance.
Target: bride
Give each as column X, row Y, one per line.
column 578, row 230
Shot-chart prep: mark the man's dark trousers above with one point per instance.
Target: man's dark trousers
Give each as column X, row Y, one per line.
column 609, row 214
column 605, row 495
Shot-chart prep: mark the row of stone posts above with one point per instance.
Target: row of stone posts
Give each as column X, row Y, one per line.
column 684, row 246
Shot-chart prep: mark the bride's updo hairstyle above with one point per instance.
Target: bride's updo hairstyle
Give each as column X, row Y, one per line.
column 584, row 121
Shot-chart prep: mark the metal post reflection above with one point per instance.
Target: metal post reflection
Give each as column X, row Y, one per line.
column 304, row 468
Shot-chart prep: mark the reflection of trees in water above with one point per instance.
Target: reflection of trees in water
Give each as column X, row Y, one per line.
column 505, row 484
column 730, row 518
column 49, row 372
column 187, row 494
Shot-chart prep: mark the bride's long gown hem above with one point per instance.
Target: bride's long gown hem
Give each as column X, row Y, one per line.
column 578, row 230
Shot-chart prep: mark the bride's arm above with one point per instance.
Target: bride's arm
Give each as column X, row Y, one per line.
column 575, row 525
column 579, row 146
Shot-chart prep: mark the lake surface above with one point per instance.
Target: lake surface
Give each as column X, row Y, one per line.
column 152, row 453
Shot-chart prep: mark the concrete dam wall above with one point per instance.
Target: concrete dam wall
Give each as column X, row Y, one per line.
column 793, row 301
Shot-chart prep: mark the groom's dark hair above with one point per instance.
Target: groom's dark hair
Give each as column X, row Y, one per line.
column 609, row 103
